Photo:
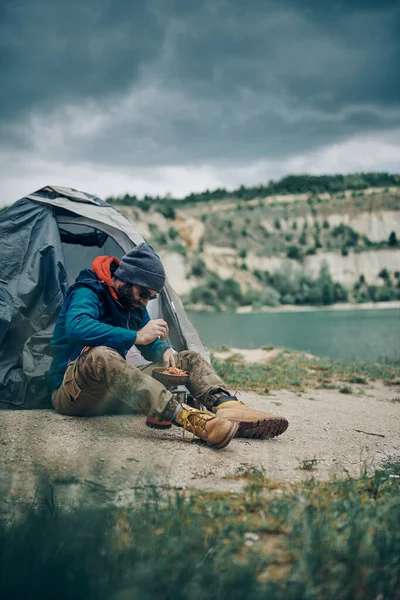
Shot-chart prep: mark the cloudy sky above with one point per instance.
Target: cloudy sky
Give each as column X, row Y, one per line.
column 157, row 96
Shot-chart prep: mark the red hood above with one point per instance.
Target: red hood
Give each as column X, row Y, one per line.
column 102, row 267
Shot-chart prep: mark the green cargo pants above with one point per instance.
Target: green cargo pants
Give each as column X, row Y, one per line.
column 100, row 381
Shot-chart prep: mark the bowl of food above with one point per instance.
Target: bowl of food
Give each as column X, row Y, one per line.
column 170, row 375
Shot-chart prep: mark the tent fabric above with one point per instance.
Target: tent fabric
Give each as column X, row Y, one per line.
column 46, row 239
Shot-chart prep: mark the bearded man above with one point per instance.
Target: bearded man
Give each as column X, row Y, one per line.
column 103, row 316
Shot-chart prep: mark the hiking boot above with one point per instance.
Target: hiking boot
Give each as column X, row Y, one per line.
column 208, row 427
column 251, row 423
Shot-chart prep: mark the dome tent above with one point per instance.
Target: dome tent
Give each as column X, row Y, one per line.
column 46, row 239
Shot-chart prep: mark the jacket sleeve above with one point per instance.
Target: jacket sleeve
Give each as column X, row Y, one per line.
column 84, row 328
column 156, row 349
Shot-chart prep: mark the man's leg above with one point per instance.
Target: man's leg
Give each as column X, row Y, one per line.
column 98, row 379
column 101, row 377
column 210, row 390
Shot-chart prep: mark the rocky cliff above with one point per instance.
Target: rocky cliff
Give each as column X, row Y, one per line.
column 354, row 235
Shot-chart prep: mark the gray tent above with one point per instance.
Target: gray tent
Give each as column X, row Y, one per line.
column 46, row 239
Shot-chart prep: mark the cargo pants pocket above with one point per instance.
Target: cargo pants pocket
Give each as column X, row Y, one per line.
column 69, row 385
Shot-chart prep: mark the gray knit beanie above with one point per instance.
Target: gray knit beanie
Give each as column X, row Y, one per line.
column 142, row 266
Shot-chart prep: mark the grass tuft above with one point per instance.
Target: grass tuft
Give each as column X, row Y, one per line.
column 308, row 464
column 333, row 540
column 346, row 389
column 291, row 370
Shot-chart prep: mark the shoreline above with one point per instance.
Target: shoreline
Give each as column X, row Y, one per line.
column 393, row 304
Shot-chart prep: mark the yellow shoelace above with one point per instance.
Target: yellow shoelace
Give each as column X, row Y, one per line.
column 199, row 420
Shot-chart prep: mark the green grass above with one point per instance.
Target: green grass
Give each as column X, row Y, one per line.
column 333, row 540
column 291, row 370
column 308, row 464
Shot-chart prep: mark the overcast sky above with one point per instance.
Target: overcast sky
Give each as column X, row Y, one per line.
column 157, row 96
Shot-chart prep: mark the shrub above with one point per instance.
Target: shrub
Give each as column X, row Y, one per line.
column 145, row 205
column 242, row 253
column 384, row 274
column 198, row 268
column 218, row 293
column 178, row 248
column 341, row 294
column 173, row 233
column 362, row 296
column 268, row 297
column 161, row 239
column 385, row 293
column 317, row 241
column 325, row 224
column 288, row 299
column 277, row 224
column 373, row 292
column 303, row 238
column 167, row 210
column 347, row 235
column 294, row 252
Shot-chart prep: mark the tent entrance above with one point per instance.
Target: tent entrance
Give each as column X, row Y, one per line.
column 81, row 243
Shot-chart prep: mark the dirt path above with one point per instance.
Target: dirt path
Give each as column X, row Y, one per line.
column 104, row 459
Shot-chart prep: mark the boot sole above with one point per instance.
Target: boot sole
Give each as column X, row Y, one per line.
column 156, row 424
column 262, row 428
column 231, row 434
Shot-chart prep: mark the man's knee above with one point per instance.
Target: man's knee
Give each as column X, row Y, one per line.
column 189, row 355
column 99, row 362
column 104, row 354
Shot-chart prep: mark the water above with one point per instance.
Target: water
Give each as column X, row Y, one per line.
column 363, row 334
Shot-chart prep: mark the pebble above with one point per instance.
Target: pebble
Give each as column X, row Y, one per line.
column 252, row 537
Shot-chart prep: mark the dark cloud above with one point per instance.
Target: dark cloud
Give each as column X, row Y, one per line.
column 190, row 82
column 57, row 51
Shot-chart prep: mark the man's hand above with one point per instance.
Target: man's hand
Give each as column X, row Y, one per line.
column 150, row 332
column 169, row 358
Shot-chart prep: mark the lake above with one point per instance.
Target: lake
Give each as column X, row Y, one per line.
column 364, row 334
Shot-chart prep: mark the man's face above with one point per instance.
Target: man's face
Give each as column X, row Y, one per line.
column 130, row 295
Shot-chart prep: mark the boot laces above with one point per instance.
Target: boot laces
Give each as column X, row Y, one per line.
column 195, row 420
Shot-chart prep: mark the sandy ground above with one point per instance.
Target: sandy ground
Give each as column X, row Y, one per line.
column 105, row 459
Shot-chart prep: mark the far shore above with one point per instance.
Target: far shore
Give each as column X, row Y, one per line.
column 306, row 308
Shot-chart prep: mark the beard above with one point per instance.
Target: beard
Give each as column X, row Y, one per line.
column 126, row 296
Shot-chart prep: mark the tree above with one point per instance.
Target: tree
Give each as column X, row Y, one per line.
column 392, row 239
column 326, row 285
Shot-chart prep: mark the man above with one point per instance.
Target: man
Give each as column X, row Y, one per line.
column 103, row 316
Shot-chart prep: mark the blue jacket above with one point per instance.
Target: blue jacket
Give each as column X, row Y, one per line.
column 90, row 317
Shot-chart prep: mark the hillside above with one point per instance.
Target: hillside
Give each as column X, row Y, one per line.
column 299, row 249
